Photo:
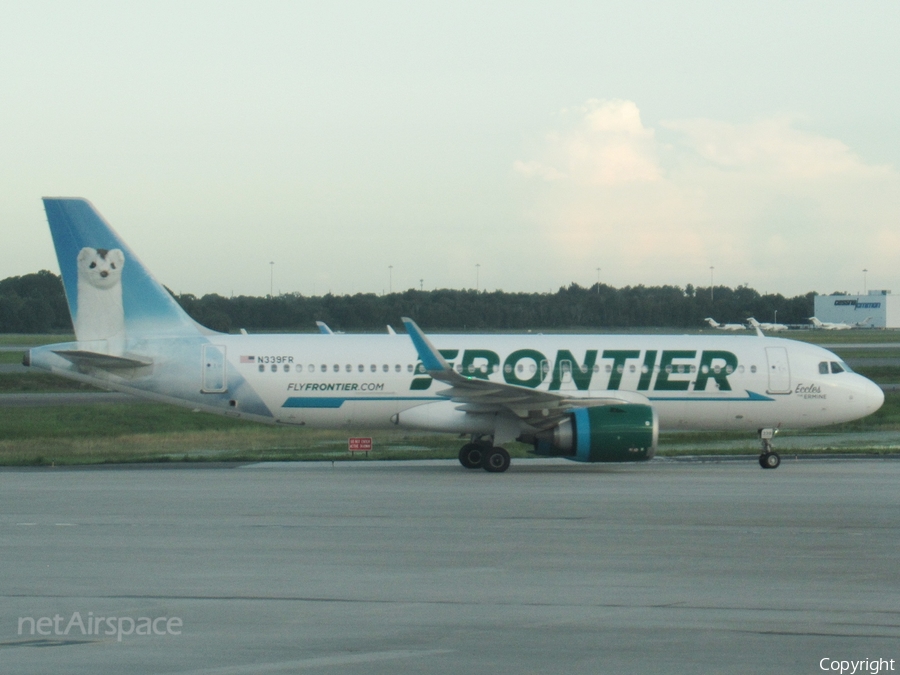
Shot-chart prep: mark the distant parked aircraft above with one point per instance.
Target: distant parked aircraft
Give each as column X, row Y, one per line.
column 725, row 326
column 766, row 326
column 827, row 325
column 325, row 330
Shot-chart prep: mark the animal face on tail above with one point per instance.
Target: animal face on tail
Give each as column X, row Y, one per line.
column 100, row 267
column 101, row 315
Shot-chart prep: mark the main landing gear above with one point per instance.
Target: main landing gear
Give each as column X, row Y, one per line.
column 481, row 455
column 769, row 459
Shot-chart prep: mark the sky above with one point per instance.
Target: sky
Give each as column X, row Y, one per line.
column 347, row 147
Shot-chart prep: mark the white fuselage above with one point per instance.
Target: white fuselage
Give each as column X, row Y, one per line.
column 338, row 381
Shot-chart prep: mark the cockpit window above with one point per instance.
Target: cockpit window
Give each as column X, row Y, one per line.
column 840, row 367
column 823, row 368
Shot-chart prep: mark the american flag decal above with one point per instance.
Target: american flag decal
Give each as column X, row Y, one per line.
column 248, row 359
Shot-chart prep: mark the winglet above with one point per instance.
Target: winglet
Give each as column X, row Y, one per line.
column 323, row 328
column 431, row 357
column 756, row 326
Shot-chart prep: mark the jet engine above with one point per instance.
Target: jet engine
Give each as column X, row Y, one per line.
column 626, row 432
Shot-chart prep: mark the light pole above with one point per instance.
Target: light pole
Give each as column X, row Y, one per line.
column 865, row 288
column 711, row 284
column 421, row 284
column 390, row 278
column 272, row 279
column 598, row 281
column 477, row 276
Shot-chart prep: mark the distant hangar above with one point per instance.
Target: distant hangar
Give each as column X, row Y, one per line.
column 878, row 309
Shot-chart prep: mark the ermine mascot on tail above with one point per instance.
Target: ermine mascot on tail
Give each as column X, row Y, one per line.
column 101, row 315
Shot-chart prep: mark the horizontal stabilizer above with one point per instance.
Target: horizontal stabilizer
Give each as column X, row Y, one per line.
column 104, row 361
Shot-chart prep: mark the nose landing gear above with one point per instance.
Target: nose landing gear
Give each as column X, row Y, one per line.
column 769, row 459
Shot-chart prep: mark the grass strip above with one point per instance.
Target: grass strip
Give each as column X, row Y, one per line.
column 880, row 374
column 32, row 340
column 122, row 433
column 36, row 382
column 827, row 337
column 113, row 433
column 873, row 353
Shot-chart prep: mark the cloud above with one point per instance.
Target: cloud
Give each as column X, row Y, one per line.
column 765, row 202
column 607, row 146
column 771, row 148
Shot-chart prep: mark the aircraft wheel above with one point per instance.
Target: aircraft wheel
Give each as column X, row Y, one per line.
column 769, row 460
column 471, row 456
column 496, row 460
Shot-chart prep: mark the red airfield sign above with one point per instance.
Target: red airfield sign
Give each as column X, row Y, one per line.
column 359, row 444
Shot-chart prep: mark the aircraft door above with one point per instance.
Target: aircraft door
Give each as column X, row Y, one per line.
column 213, row 362
column 779, row 370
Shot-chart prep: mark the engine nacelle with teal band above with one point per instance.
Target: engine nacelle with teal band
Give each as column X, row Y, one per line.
column 625, row 432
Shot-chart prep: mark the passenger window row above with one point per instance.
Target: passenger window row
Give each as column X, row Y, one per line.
column 385, row 368
column 311, row 368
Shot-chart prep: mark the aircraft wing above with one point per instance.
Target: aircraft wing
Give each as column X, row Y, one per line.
column 541, row 409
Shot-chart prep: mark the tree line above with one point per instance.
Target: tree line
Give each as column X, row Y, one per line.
column 35, row 303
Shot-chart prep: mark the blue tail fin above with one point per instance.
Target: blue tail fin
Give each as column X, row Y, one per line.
column 111, row 294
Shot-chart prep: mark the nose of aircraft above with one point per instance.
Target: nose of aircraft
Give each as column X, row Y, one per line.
column 858, row 397
column 865, row 396
column 871, row 396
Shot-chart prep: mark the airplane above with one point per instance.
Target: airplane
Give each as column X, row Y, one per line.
column 587, row 398
column 773, row 327
column 325, row 330
column 724, row 326
column 827, row 325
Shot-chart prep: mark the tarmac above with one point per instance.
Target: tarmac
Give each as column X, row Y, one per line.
column 386, row 567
